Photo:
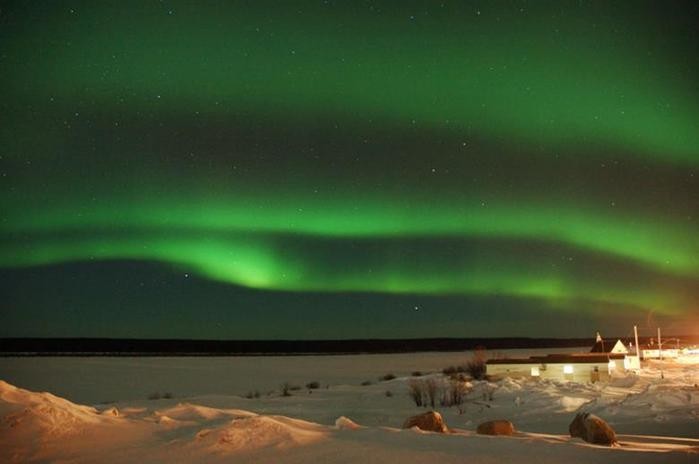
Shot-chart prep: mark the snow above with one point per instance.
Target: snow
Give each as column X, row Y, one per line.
column 655, row 415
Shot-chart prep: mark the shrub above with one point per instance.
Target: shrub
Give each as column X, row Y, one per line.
column 417, row 374
column 454, row 394
column 389, row 393
column 285, row 389
column 366, row 383
column 313, row 385
column 252, row 394
column 416, row 391
column 431, row 388
column 387, row 377
column 155, row 396
column 476, row 366
column 425, row 392
column 295, row 387
column 167, row 395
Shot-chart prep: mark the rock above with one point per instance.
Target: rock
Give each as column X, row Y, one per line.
column 430, row 421
column 345, row 423
column 111, row 412
column 592, row 429
column 496, row 427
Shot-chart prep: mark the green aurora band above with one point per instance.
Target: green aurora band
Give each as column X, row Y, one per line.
column 231, row 243
column 668, row 247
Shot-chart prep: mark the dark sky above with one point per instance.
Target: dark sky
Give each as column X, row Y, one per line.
column 255, row 169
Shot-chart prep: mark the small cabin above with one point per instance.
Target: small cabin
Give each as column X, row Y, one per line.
column 655, row 353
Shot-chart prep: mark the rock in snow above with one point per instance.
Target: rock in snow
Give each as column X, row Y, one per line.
column 592, row 429
column 345, row 423
column 496, row 427
column 430, row 421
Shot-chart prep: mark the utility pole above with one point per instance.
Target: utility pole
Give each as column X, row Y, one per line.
column 660, row 346
column 635, row 335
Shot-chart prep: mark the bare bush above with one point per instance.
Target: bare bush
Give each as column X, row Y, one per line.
column 387, row 377
column 431, row 388
column 313, row 385
column 285, row 389
column 429, row 392
column 416, row 391
column 477, row 369
column 476, row 366
column 455, row 393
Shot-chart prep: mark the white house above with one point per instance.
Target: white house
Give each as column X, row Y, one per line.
column 604, row 359
column 582, row 367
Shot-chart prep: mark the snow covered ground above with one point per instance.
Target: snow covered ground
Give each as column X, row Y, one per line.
column 210, row 420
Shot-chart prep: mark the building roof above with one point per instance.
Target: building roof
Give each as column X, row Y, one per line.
column 606, row 345
column 576, row 358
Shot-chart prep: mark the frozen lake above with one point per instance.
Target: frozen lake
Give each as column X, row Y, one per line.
column 91, row 380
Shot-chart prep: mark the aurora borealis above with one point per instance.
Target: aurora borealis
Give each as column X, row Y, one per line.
column 348, row 169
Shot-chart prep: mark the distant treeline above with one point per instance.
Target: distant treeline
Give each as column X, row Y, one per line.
column 160, row 347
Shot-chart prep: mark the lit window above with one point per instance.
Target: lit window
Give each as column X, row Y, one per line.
column 567, row 369
column 535, row 371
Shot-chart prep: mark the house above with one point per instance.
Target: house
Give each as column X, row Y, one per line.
column 653, row 351
column 604, row 359
column 579, row 367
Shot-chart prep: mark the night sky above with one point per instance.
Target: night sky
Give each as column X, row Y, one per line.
column 356, row 169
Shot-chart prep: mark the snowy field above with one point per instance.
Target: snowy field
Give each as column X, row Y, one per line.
column 101, row 412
